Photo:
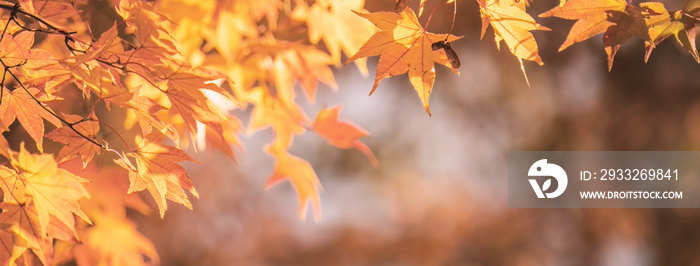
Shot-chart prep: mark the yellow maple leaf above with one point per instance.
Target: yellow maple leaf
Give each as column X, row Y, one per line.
column 284, row 117
column 39, row 202
column 157, row 171
column 591, row 17
column 302, row 176
column 403, row 46
column 616, row 18
column 512, row 25
column 126, row 246
column 333, row 22
column 306, row 64
column 54, row 191
column 143, row 110
column 663, row 24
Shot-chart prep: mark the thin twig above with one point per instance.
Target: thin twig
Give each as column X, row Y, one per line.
column 43, row 106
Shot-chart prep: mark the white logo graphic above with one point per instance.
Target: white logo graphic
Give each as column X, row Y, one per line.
column 542, row 168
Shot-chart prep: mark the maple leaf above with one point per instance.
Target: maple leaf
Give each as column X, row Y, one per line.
column 232, row 28
column 126, row 246
column 145, row 109
column 185, row 93
column 12, row 186
column 512, row 25
column 39, row 202
column 27, row 234
column 157, row 171
column 19, row 104
column 302, row 176
column 663, row 24
column 284, row 117
column 155, row 46
column 340, row 29
column 192, row 18
column 52, row 190
column 691, row 20
column 49, row 10
column 76, row 145
column 591, row 16
column 341, row 134
column 43, row 71
column 616, row 18
column 15, row 50
column 93, row 76
column 141, row 20
column 305, row 64
column 629, row 23
column 403, row 46
column 107, row 45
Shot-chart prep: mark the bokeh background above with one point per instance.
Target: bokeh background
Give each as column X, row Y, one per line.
column 439, row 195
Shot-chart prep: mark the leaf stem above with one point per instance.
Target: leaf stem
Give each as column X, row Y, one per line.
column 115, row 132
column 454, row 16
column 127, row 163
column 425, row 29
column 43, row 106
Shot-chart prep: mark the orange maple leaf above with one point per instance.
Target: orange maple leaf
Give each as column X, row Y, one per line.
column 43, row 71
column 185, row 94
column 302, row 176
column 50, row 10
column 512, row 25
column 616, row 18
column 305, row 64
column 591, row 18
column 145, row 110
column 403, row 46
column 19, row 104
column 342, row 134
column 157, row 171
column 76, row 145
column 15, row 50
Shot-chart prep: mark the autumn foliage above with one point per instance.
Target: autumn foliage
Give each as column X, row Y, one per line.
column 175, row 69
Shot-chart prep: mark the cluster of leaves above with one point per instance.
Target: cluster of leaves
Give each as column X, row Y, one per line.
column 619, row 21
column 405, row 46
column 149, row 66
column 265, row 48
column 179, row 67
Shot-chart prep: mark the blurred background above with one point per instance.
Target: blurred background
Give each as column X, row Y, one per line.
column 439, row 195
